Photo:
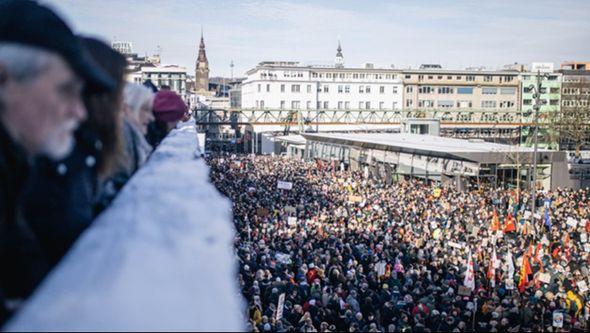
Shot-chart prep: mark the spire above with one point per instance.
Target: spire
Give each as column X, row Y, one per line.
column 202, row 55
column 339, row 62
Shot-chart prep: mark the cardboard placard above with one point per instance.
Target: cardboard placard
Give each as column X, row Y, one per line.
column 571, row 222
column 292, row 221
column 557, row 319
column 545, row 278
column 464, row 291
column 582, row 286
column 583, row 237
column 262, row 212
column 455, row 245
column 355, row 198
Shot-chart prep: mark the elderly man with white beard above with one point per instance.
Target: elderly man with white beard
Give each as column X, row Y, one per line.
column 43, row 69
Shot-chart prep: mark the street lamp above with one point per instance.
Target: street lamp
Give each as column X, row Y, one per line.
column 537, row 107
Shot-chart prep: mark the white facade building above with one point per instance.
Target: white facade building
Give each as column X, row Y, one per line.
column 172, row 76
column 291, row 86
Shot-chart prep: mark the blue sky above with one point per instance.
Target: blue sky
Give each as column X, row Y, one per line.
column 455, row 34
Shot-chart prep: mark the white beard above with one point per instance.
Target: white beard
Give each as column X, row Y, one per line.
column 60, row 143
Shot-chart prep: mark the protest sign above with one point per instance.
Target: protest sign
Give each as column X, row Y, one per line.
column 280, row 305
column 292, row 221
column 557, row 319
column 545, row 277
column 284, row 185
column 355, row 198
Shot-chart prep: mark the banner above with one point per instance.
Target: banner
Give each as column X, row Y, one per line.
column 284, row 185
column 280, row 305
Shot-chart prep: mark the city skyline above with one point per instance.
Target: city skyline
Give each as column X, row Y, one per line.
column 455, row 34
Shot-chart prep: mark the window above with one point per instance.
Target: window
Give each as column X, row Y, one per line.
column 326, row 88
column 395, row 90
column 382, row 89
column 257, row 104
column 508, row 91
column 450, row 77
column 361, row 89
column 282, row 105
column 488, row 78
column 445, row 90
column 361, row 105
column 465, row 90
column 347, row 105
column 464, row 104
column 489, row 91
column 308, row 105
column 328, row 75
column 430, row 77
column 506, row 104
column 408, row 76
column 440, row 77
column 508, row 78
column 409, row 103
column 488, row 104
column 470, row 78
column 553, row 90
column 368, row 105
column 425, row 103
column 262, row 104
column 554, row 102
column 527, row 101
column 309, row 88
column 258, row 87
column 340, row 89
column 282, row 88
column 319, row 105
column 409, row 89
column 459, row 77
column 295, row 105
column 445, row 104
column 420, row 77
column 339, row 105
column 425, row 90
column 368, row 89
column 346, row 89
column 381, row 105
column 295, row 88
column 268, row 88
column 394, row 106
column 326, row 105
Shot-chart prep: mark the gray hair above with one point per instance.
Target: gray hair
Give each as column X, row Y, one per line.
column 23, row 62
column 135, row 95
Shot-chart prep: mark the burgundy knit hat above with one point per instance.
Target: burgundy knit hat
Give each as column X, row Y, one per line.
column 168, row 106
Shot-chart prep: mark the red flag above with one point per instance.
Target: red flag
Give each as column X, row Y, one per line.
column 525, row 270
column 495, row 221
column 509, row 226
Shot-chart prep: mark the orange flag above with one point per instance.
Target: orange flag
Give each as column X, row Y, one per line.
column 509, row 226
column 495, row 221
column 525, row 270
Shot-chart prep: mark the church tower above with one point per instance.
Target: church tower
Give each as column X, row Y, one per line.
column 339, row 62
column 202, row 69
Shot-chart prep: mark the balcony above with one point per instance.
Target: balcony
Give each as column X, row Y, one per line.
column 159, row 258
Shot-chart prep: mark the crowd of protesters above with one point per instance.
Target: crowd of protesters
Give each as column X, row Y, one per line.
column 328, row 249
column 72, row 133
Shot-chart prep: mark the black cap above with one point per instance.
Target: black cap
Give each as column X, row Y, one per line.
column 29, row 23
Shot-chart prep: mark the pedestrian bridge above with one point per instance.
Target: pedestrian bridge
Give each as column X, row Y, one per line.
column 159, row 258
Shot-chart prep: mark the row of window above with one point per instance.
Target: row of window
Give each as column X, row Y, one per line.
column 343, row 75
column 575, row 103
column 528, row 101
column 468, row 78
column 342, row 105
column 460, row 104
column 461, row 90
column 296, row 88
column 576, row 91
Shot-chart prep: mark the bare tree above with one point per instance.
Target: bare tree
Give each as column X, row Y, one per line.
column 573, row 123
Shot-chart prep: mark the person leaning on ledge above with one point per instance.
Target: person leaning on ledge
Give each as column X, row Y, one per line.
column 43, row 69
